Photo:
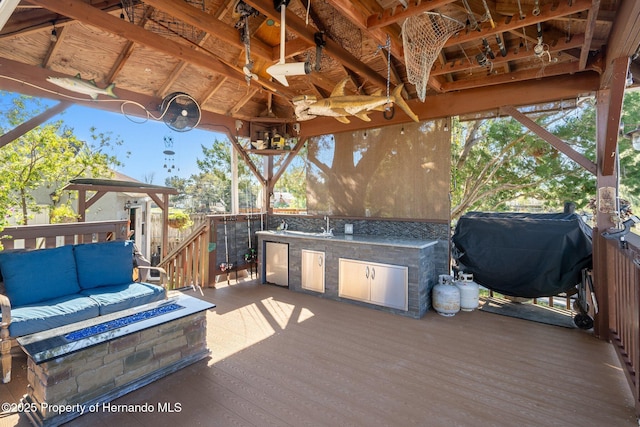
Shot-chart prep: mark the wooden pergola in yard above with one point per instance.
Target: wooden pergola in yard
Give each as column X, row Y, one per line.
column 592, row 48
column 96, row 188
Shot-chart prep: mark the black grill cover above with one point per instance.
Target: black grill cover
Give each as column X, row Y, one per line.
column 521, row 254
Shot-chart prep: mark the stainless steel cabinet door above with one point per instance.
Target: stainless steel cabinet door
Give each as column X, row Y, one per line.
column 277, row 263
column 389, row 285
column 353, row 280
column 312, row 270
column 380, row 284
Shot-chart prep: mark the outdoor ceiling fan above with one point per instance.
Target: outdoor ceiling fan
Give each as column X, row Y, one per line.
column 180, row 112
column 281, row 70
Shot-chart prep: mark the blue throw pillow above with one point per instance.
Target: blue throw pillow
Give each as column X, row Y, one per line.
column 104, row 264
column 39, row 275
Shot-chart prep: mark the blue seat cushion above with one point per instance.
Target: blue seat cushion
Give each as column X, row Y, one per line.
column 104, row 263
column 39, row 275
column 57, row 312
column 121, row 297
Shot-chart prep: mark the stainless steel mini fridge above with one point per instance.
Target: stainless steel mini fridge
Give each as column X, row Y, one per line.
column 277, row 263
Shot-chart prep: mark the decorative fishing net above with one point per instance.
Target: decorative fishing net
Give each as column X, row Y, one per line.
column 423, row 37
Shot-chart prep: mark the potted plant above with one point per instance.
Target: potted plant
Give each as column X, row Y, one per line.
column 62, row 214
column 179, row 219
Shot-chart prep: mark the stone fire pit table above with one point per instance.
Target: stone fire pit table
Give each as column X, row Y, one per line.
column 77, row 368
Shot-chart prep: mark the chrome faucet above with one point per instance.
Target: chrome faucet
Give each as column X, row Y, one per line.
column 327, row 230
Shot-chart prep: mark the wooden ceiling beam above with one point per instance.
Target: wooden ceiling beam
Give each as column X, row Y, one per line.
column 25, row 127
column 486, row 98
column 293, row 47
column 547, row 12
column 317, row 79
column 202, row 20
column 459, row 66
column 333, row 49
column 241, row 103
column 126, row 52
column 624, row 38
column 328, row 33
column 32, row 80
column 54, row 46
column 588, row 33
column 34, row 20
column 212, row 90
column 605, row 17
column 177, row 70
column 397, row 14
column 609, row 147
column 348, row 10
column 516, row 76
column 435, row 83
column 523, row 35
column 556, row 142
column 77, row 9
column 243, row 153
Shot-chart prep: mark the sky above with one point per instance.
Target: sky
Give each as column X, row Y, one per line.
column 144, row 140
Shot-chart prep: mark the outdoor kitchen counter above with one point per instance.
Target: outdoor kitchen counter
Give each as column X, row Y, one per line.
column 423, row 258
column 354, row 238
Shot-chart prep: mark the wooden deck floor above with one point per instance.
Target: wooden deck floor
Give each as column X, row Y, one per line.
column 281, row 358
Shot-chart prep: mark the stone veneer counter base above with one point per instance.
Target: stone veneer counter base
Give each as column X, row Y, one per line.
column 425, row 259
column 78, row 368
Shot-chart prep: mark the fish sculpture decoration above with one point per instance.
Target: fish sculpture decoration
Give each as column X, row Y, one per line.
column 339, row 105
column 86, row 87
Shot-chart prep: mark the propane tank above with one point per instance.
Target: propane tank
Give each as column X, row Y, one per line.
column 445, row 296
column 469, row 292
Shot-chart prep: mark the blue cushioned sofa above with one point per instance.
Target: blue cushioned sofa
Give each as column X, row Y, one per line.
column 48, row 288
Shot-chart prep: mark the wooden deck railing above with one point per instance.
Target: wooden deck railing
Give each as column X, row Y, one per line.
column 188, row 263
column 54, row 235
column 197, row 260
column 623, row 268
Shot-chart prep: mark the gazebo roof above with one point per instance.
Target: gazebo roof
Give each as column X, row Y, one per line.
column 523, row 52
column 102, row 184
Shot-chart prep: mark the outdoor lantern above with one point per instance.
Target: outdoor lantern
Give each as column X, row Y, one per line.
column 634, row 136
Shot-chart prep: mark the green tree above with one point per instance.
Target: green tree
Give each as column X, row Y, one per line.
column 495, row 161
column 180, row 184
column 294, row 181
column 47, row 157
column 212, row 186
column 630, row 158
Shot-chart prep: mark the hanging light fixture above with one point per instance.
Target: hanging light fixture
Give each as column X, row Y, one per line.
column 54, row 33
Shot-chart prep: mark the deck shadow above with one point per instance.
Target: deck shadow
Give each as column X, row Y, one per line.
column 527, row 311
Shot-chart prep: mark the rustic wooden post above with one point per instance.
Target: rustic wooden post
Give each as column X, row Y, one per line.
column 608, row 111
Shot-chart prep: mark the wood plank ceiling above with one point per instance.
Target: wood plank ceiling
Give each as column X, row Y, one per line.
column 523, row 51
